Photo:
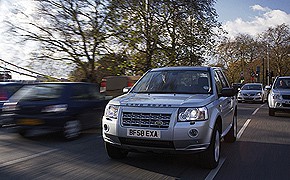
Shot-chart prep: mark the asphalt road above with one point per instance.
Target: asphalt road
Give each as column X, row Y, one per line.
column 261, row 152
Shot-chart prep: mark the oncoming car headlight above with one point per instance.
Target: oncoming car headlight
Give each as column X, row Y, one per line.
column 111, row 111
column 192, row 114
column 277, row 96
column 259, row 94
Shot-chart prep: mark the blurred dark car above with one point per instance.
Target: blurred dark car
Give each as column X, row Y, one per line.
column 66, row 107
column 7, row 89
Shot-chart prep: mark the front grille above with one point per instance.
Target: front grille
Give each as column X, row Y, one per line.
column 155, row 120
column 285, row 105
column 286, row 96
column 246, row 94
column 147, row 143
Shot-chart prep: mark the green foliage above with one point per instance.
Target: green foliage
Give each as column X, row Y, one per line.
column 116, row 37
column 243, row 54
column 167, row 33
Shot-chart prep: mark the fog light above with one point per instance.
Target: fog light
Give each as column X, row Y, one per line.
column 193, row 133
column 106, row 128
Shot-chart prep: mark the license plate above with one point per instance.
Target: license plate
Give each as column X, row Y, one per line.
column 29, row 122
column 144, row 133
column 249, row 98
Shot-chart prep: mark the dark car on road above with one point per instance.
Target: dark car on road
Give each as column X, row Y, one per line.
column 66, row 107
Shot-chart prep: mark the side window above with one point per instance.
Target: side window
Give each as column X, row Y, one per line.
column 223, row 79
column 80, row 92
column 218, row 82
column 94, row 93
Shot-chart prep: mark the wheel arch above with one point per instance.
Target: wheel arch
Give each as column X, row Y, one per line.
column 215, row 118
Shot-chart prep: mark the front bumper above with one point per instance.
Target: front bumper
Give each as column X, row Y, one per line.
column 250, row 98
column 175, row 139
column 279, row 104
column 49, row 123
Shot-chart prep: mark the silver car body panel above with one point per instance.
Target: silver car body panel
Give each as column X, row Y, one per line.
column 279, row 97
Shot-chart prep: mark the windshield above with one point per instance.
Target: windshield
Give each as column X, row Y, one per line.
column 282, row 83
column 38, row 92
column 188, row 82
column 252, row 87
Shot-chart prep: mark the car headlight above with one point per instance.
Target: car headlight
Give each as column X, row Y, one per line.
column 10, row 107
column 192, row 114
column 111, row 111
column 277, row 96
column 258, row 94
column 55, row 108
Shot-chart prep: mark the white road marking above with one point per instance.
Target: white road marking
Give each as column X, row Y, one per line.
column 243, row 128
column 25, row 158
column 214, row 172
column 247, row 122
column 257, row 109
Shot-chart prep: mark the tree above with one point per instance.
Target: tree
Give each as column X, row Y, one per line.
column 139, row 28
column 245, row 55
column 167, row 33
column 277, row 45
column 238, row 56
column 150, row 33
column 70, row 31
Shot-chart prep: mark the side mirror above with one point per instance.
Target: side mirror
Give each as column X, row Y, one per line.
column 228, row 92
column 126, row 89
column 267, row 87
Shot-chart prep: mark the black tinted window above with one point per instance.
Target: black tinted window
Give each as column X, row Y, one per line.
column 39, row 92
column 218, row 82
column 86, row 92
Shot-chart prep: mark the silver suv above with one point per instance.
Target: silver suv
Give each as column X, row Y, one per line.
column 279, row 96
column 173, row 109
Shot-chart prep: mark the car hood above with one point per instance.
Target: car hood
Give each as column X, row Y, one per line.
column 250, row 91
column 163, row 100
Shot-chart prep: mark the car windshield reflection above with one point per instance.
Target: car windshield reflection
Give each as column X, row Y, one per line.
column 177, row 82
column 252, row 87
column 282, row 83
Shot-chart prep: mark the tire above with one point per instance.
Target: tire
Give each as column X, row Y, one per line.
column 271, row 112
column 210, row 158
column 115, row 152
column 231, row 136
column 71, row 129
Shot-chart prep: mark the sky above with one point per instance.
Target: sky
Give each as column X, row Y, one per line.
column 237, row 16
column 252, row 16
